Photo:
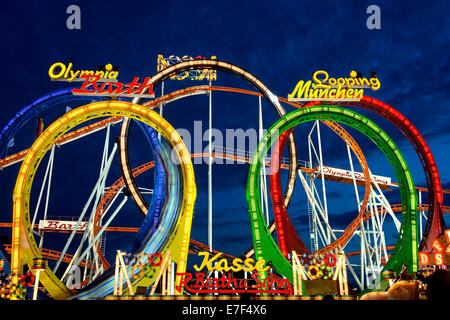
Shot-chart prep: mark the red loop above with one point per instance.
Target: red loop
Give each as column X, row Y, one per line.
column 327, row 260
column 152, row 259
column 30, row 281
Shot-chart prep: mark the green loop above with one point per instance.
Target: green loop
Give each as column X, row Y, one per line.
column 406, row 248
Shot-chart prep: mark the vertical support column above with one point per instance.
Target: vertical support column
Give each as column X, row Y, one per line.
column 420, row 216
column 169, row 278
column 124, row 273
column 210, row 173
column 298, row 274
column 52, row 157
column 165, row 267
column 172, row 279
column 294, row 274
column 265, row 206
column 116, row 276
column 39, row 265
column 161, row 107
column 344, row 275
column 36, row 285
column 328, row 238
column 164, row 283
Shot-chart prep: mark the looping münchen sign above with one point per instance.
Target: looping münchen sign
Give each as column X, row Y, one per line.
column 333, row 89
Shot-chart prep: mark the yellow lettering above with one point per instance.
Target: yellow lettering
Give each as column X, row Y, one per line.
column 313, row 93
column 222, row 265
column 88, row 72
column 66, row 74
column 375, row 83
column 237, row 263
column 206, row 262
column 51, row 71
column 350, row 93
column 323, row 93
column 358, row 93
column 340, row 92
column 319, row 81
column 260, row 265
column 248, row 265
column 113, row 75
column 73, row 75
column 300, row 89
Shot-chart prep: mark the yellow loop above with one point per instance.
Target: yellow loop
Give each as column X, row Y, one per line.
column 25, row 249
column 141, row 271
column 316, row 275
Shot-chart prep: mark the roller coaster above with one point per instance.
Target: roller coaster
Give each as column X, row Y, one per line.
column 168, row 214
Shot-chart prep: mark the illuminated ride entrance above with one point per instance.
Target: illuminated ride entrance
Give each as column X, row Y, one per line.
column 174, row 194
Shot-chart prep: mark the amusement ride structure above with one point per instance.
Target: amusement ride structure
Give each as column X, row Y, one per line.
column 167, row 208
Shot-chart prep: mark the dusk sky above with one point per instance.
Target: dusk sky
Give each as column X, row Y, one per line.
column 280, row 42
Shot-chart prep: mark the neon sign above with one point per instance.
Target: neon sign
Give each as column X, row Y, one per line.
column 58, row 225
column 358, row 175
column 441, row 245
column 227, row 283
column 237, row 264
column 325, row 88
column 60, row 72
column 115, row 89
column 200, row 73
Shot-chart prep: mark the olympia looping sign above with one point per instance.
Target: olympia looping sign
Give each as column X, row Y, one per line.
column 102, row 82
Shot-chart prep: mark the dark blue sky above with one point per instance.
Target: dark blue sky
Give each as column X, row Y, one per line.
column 280, row 42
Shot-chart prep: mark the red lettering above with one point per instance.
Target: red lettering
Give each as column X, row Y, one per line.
column 102, row 89
column 132, row 85
column 255, row 277
column 185, row 278
column 83, row 225
column 119, row 90
column 147, row 85
column 199, row 283
column 86, row 84
column 51, row 224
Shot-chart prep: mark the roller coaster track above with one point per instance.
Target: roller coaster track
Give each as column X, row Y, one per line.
column 170, row 97
column 406, row 248
column 435, row 222
column 16, row 158
column 178, row 243
column 54, row 255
